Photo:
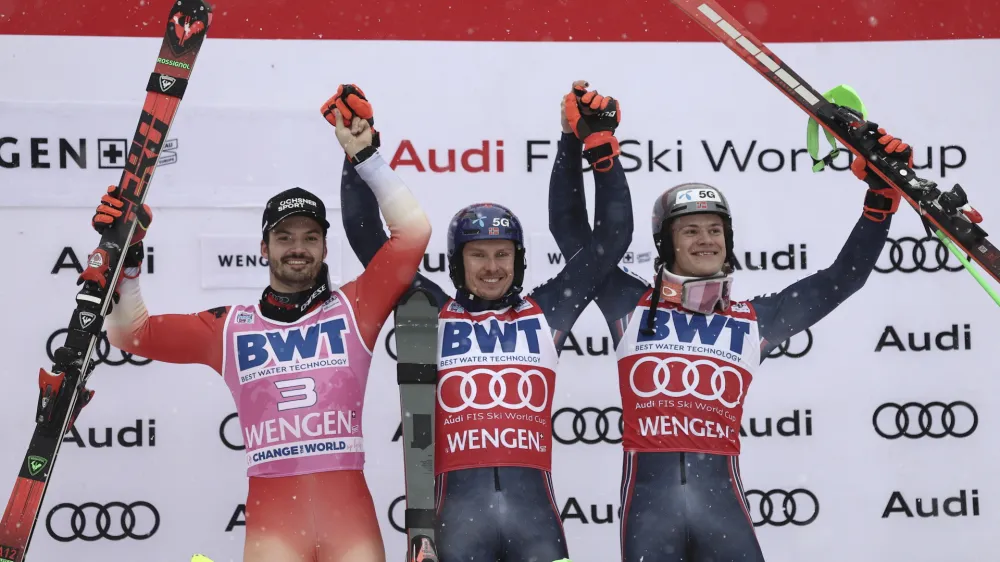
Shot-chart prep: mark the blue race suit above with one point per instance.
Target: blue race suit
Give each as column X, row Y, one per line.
column 686, row 503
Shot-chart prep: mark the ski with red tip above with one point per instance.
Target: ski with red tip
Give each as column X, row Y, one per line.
column 62, row 391
column 948, row 211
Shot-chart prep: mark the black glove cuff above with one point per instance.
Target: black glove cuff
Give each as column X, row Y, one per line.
column 134, row 255
column 878, row 202
column 364, row 154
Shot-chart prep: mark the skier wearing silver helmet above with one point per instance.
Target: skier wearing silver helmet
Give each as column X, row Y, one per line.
column 498, row 349
column 687, row 354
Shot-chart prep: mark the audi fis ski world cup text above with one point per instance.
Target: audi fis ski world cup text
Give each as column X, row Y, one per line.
column 660, row 156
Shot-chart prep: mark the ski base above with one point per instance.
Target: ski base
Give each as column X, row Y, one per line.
column 416, row 320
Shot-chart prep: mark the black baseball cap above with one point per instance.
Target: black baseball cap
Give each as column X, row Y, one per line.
column 291, row 202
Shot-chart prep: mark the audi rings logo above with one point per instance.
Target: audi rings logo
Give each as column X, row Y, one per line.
column 113, row 521
column 398, row 504
column 509, row 387
column 588, row 425
column 798, row 507
column 390, row 343
column 721, row 382
column 794, row 347
column 105, row 353
column 225, row 433
column 934, row 419
column 909, row 255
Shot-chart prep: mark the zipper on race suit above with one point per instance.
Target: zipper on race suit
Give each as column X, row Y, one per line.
column 684, row 474
column 496, row 478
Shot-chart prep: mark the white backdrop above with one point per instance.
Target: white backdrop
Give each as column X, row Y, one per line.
column 239, row 141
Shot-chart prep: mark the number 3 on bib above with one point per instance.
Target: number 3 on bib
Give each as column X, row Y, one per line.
column 304, row 387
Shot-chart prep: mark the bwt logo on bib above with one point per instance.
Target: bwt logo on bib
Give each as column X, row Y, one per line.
column 686, row 327
column 292, row 349
column 460, row 337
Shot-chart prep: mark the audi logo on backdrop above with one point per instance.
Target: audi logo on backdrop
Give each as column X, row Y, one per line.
column 113, row 521
column 779, row 507
column 398, row 504
column 725, row 381
column 525, row 389
column 934, row 419
column 226, row 433
column 106, row 354
column 910, row 255
column 391, row 349
column 588, row 425
column 794, row 347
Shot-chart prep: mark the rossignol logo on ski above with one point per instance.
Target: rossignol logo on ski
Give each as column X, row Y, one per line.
column 87, row 318
column 167, row 82
column 36, row 464
column 169, row 62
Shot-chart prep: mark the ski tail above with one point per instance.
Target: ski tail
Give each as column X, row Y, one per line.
column 947, row 213
column 62, row 392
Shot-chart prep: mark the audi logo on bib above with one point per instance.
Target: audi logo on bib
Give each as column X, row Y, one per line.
column 680, row 377
column 482, row 389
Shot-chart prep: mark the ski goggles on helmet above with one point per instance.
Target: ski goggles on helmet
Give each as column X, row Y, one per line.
column 698, row 295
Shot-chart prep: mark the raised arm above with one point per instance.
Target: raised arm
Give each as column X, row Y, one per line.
column 391, row 270
column 568, row 221
column 589, row 259
column 619, row 291
column 809, row 300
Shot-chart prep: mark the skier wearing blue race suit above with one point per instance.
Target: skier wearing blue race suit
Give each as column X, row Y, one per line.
column 686, row 358
column 499, row 350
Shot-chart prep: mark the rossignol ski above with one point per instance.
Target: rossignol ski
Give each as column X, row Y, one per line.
column 947, row 213
column 416, row 319
column 62, row 392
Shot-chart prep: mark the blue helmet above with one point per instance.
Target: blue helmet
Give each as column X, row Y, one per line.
column 485, row 221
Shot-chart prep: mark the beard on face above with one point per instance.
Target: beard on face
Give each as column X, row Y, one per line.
column 302, row 276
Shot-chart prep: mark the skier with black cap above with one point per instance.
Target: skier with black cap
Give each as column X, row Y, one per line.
column 296, row 362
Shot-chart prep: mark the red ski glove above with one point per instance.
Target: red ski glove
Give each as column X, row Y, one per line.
column 593, row 119
column 111, row 208
column 98, row 263
column 351, row 101
column 882, row 199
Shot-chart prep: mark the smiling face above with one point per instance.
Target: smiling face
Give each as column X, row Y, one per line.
column 295, row 251
column 699, row 245
column 489, row 267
